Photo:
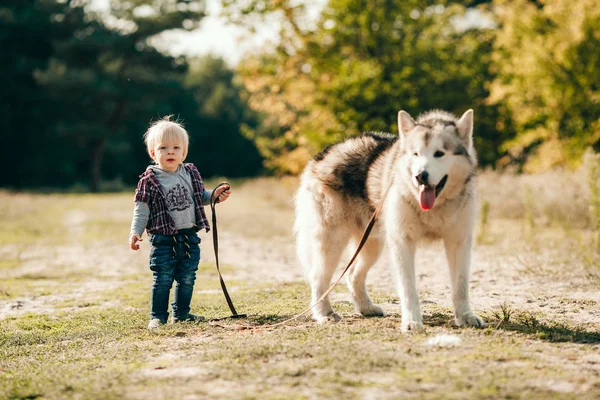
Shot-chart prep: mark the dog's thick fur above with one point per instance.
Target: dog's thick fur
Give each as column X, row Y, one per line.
column 431, row 167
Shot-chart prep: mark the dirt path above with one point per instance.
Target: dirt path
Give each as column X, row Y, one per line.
column 498, row 279
column 506, row 274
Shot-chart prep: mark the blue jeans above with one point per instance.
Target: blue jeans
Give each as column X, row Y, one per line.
column 173, row 258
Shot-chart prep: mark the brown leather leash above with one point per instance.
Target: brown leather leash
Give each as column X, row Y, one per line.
column 363, row 240
column 213, row 202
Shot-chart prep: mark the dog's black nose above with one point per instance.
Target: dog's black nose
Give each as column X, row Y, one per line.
column 422, row 178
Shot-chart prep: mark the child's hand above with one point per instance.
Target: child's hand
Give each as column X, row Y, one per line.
column 222, row 193
column 133, row 241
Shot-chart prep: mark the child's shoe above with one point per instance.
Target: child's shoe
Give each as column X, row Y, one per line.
column 155, row 323
column 189, row 317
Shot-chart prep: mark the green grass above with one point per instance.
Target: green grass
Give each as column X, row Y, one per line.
column 110, row 352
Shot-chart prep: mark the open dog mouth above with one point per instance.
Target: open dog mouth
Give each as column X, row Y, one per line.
column 428, row 194
column 440, row 185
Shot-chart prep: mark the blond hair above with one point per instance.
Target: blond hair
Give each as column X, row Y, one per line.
column 163, row 130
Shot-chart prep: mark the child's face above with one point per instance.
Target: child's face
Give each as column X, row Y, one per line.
column 168, row 154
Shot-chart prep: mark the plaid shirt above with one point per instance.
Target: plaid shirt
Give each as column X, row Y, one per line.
column 150, row 192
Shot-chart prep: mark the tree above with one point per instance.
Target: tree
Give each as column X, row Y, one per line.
column 217, row 145
column 81, row 88
column 27, row 32
column 360, row 64
column 108, row 72
column 373, row 58
column 292, row 125
column 547, row 59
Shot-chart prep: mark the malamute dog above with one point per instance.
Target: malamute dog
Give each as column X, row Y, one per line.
column 431, row 167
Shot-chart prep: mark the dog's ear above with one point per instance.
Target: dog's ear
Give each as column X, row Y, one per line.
column 405, row 122
column 465, row 127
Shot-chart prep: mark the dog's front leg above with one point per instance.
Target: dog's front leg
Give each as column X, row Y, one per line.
column 403, row 254
column 458, row 253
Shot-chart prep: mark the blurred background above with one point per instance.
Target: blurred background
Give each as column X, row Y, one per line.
column 264, row 85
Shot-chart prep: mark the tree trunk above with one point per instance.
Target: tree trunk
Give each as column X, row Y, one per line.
column 96, row 164
column 99, row 145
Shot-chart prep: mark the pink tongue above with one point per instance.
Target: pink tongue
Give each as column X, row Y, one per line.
column 427, row 197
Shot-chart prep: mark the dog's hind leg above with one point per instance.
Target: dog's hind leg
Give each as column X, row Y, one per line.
column 325, row 251
column 357, row 275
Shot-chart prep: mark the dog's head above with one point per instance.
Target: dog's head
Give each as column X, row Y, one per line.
column 437, row 154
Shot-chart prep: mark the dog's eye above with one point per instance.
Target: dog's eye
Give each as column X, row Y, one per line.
column 415, row 154
column 438, row 154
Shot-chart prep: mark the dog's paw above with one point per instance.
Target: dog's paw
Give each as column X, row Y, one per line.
column 372, row 311
column 412, row 326
column 470, row 319
column 329, row 318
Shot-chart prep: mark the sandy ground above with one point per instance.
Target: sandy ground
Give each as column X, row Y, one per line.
column 498, row 278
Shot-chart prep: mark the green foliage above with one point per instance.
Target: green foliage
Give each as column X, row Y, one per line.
column 292, row 125
column 526, row 67
column 547, row 59
column 361, row 64
column 26, row 36
column 81, row 86
column 414, row 55
column 217, row 143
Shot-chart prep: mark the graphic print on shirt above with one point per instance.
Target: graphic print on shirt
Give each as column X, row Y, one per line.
column 178, row 198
